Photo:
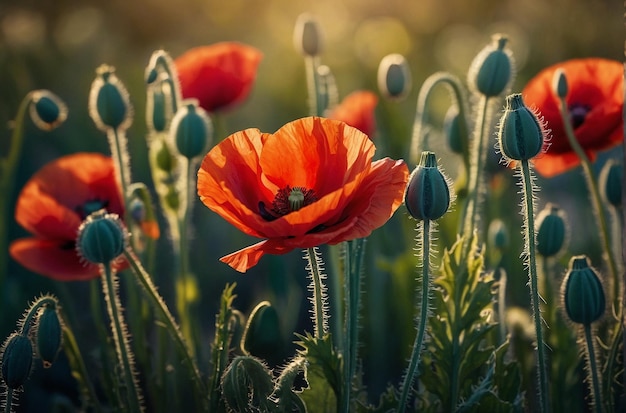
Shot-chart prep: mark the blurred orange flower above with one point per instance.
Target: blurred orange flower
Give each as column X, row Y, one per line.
column 357, row 110
column 52, row 205
column 312, row 182
column 595, row 102
column 219, row 75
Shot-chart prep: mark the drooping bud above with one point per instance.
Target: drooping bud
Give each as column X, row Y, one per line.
column 559, row 83
column 394, row 77
column 491, row 71
column 17, row 360
column 109, row 105
column 307, row 36
column 520, row 133
column 101, row 238
column 611, row 185
column 550, row 230
column 498, row 234
column 582, row 291
column 49, row 335
column 246, row 385
column 191, row 129
column 427, row 195
column 262, row 334
column 157, row 114
column 47, row 110
column 452, row 130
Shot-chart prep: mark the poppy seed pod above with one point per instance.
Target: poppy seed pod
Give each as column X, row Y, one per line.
column 427, row 195
column 498, row 234
column 550, row 231
column 191, row 129
column 156, row 108
column 109, row 105
column 101, row 238
column 394, row 76
column 49, row 335
column 47, row 110
column 307, row 35
column 611, row 182
column 491, row 71
column 520, row 133
column 583, row 295
column 559, row 83
column 17, row 360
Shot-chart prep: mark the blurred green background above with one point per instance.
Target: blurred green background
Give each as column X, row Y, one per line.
column 57, row 45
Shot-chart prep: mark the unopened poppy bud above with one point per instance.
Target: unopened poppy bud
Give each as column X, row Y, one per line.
column 520, row 133
column 427, row 195
column 307, row 36
column 559, row 83
column 550, row 231
column 498, row 234
column 394, row 76
column 611, row 182
column 109, row 105
column 49, row 335
column 191, row 129
column 17, row 360
column 156, row 108
column 245, row 377
column 491, row 71
column 101, row 238
column 583, row 295
column 47, row 110
column 452, row 130
column 262, row 334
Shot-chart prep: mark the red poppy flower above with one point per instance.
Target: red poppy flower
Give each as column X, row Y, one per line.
column 357, row 110
column 595, row 102
column 312, row 182
column 52, row 205
column 220, row 75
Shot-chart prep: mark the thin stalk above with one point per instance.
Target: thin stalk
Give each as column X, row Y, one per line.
column 8, row 404
column 596, row 201
column 319, row 314
column 165, row 315
column 120, row 337
column 422, row 322
column 312, row 82
column 593, row 369
column 534, row 285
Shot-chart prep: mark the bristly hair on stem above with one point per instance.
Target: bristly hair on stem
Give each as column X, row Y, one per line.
column 319, row 298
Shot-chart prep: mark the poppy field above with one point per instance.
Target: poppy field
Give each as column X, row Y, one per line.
column 314, row 210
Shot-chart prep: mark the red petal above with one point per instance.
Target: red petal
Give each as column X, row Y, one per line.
column 248, row 257
column 357, row 110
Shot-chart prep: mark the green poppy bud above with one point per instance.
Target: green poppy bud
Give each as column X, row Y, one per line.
column 394, row 76
column 246, row 385
column 583, row 295
column 611, row 182
column 47, row 110
column 559, row 83
column 191, row 129
column 452, row 130
column 307, row 36
column 262, row 335
column 101, row 238
column 17, row 360
column 550, row 231
column 109, row 105
column 491, row 71
column 520, row 133
column 49, row 335
column 156, row 108
column 427, row 195
column 498, row 234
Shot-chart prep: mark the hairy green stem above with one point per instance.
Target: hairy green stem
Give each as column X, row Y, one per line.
column 8, row 403
column 534, row 285
column 312, row 82
column 318, row 313
column 593, row 369
column 422, row 322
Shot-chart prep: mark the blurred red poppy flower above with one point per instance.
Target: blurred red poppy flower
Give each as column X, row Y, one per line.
column 312, row 182
column 357, row 110
column 219, row 75
column 595, row 101
column 53, row 204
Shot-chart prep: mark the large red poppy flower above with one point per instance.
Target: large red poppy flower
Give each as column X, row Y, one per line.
column 312, row 182
column 52, row 205
column 357, row 110
column 220, row 75
column 595, row 102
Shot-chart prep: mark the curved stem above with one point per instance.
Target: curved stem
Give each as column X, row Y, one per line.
column 593, row 369
column 534, row 284
column 318, row 300
column 421, row 324
column 34, row 309
column 596, row 201
column 120, row 337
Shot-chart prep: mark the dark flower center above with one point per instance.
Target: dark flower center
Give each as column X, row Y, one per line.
column 287, row 200
column 578, row 113
column 89, row 207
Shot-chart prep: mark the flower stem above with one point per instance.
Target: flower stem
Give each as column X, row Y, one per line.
column 596, row 201
column 534, row 284
column 423, row 319
column 8, row 403
column 319, row 314
column 593, row 369
column 312, row 82
column 120, row 337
